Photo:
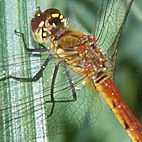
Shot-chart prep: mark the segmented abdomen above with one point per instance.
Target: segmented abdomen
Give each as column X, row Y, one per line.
column 110, row 94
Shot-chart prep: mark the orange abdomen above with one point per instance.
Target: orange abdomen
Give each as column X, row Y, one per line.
column 112, row 97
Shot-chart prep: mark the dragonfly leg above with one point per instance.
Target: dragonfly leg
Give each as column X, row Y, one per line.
column 28, row 49
column 36, row 77
column 52, row 89
column 71, row 84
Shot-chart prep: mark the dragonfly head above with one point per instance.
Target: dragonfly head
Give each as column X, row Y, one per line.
column 45, row 25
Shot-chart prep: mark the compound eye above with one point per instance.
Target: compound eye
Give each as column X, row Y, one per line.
column 44, row 26
column 38, row 29
column 37, row 22
column 36, row 16
column 32, row 20
column 55, row 17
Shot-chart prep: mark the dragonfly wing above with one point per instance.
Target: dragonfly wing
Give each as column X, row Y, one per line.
column 25, row 106
column 70, row 116
column 110, row 19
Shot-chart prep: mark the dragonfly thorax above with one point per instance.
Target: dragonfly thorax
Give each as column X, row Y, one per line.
column 78, row 50
column 46, row 25
column 81, row 53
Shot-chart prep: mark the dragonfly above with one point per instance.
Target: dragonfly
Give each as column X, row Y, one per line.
column 64, row 76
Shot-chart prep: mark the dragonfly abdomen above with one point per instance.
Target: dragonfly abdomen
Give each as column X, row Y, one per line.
column 112, row 97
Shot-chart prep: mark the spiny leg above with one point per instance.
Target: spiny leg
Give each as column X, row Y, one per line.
column 36, row 77
column 28, row 49
column 52, row 89
column 71, row 84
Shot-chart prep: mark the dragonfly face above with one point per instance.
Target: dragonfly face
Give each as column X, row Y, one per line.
column 45, row 26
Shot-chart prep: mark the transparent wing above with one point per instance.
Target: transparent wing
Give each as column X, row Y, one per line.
column 110, row 19
column 24, row 106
